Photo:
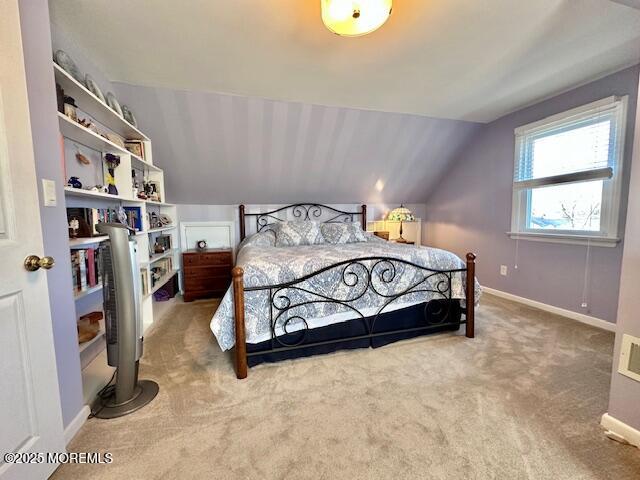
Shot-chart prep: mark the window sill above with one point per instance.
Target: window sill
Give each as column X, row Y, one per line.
column 566, row 239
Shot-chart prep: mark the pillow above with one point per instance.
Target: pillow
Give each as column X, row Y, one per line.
column 342, row 232
column 292, row 234
column 260, row 239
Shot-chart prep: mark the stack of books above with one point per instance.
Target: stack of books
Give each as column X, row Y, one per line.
column 85, row 269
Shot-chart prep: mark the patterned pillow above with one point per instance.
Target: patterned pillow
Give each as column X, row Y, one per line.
column 291, row 234
column 342, row 232
column 260, row 239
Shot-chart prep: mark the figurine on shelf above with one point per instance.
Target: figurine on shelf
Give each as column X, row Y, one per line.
column 74, row 226
column 82, row 159
column 70, row 108
column 148, row 189
column 111, row 161
column 74, row 182
column 151, row 191
column 122, row 216
column 87, row 123
column 154, row 220
column 78, row 226
column 99, row 188
column 135, row 184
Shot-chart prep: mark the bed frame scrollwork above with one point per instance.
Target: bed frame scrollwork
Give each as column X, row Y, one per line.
column 356, row 278
column 300, row 212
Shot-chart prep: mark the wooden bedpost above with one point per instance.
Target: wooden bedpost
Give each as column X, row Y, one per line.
column 242, row 225
column 238, row 307
column 470, row 294
column 364, row 217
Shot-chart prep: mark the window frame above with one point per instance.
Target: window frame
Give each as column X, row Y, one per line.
column 609, row 234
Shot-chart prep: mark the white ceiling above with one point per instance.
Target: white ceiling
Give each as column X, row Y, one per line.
column 463, row 59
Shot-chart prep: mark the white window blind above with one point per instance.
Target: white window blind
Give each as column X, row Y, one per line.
column 577, row 148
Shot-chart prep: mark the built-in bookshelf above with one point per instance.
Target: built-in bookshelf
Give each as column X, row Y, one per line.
column 106, row 134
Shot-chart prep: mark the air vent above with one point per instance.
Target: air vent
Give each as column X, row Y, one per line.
column 630, row 357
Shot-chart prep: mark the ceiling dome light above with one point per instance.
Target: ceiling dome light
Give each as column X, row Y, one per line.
column 353, row 18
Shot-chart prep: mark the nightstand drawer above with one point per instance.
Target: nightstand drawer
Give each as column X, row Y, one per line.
column 207, row 284
column 209, row 272
column 223, row 258
column 216, row 259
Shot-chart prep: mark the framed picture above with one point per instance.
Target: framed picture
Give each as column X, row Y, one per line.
column 136, row 147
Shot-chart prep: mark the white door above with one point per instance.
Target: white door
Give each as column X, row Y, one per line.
column 30, row 415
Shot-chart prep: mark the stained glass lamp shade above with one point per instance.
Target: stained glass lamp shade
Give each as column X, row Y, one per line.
column 401, row 214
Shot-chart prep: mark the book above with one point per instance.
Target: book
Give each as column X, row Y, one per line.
column 91, row 267
column 74, row 264
column 82, row 263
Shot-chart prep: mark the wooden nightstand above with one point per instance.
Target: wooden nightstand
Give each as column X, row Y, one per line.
column 207, row 273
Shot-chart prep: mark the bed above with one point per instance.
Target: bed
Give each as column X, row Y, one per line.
column 297, row 293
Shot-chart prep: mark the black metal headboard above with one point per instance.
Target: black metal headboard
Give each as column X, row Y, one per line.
column 301, row 212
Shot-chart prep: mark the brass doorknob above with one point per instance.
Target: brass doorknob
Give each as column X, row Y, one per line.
column 34, row 262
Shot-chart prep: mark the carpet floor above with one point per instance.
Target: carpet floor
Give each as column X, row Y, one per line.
column 520, row 401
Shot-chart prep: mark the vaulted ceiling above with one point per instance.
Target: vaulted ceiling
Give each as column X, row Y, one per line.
column 226, row 149
column 255, row 101
column 461, row 59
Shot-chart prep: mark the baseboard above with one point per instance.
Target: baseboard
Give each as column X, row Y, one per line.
column 620, row 431
column 580, row 317
column 76, row 424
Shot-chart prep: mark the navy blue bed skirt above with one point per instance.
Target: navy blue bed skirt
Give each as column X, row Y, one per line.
column 436, row 311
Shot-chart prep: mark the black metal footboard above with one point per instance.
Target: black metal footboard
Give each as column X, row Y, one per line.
column 341, row 288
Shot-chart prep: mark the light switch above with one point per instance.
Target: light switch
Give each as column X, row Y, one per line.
column 49, row 193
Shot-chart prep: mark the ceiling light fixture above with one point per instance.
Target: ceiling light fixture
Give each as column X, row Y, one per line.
column 352, row 18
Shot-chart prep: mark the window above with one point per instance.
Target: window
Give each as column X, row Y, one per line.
column 568, row 173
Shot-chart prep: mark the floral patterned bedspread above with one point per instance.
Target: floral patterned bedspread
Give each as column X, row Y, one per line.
column 265, row 264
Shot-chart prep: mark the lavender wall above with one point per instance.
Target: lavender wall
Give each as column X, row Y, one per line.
column 225, row 149
column 471, row 210
column 624, row 401
column 36, row 39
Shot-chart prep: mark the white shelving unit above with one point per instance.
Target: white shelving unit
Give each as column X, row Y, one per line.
column 160, row 230
column 83, row 242
column 163, row 281
column 92, row 106
column 83, row 293
column 86, row 345
column 106, row 121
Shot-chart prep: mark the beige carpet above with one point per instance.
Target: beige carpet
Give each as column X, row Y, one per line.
column 521, row 401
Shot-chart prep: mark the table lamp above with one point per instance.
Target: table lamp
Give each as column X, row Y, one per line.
column 401, row 214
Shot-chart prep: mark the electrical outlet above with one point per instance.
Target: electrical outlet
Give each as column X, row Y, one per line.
column 503, row 270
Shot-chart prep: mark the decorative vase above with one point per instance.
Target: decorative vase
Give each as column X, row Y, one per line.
column 74, row 182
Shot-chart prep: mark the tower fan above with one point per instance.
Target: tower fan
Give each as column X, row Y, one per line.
column 123, row 322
